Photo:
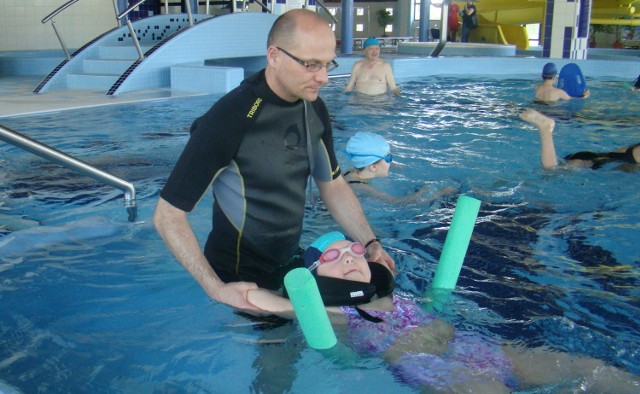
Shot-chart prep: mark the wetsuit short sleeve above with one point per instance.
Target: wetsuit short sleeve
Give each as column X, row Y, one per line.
column 215, row 138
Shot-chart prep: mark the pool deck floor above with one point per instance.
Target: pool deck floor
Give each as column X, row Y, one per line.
column 17, row 97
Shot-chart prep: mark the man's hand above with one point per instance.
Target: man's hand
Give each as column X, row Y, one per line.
column 377, row 254
column 234, row 294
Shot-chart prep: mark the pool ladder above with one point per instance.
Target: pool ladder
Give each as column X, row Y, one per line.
column 56, row 156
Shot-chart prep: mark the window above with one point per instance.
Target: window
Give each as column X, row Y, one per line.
column 533, row 31
column 435, row 13
column 360, row 11
column 359, row 27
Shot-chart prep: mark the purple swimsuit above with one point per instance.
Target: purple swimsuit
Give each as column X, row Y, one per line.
column 469, row 354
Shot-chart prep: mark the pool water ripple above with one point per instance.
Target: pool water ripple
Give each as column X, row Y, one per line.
column 98, row 304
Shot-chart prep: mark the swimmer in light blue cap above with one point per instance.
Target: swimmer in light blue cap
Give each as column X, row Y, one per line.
column 372, row 75
column 371, row 156
column 366, row 149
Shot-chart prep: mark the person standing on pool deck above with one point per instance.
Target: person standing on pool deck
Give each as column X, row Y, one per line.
column 452, row 23
column 372, row 75
column 257, row 146
column 469, row 20
column 546, row 92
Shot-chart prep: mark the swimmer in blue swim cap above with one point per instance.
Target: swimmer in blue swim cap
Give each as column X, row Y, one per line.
column 422, row 350
column 372, row 75
column 547, row 92
column 371, row 157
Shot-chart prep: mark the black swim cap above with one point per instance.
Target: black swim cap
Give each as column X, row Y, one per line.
column 597, row 159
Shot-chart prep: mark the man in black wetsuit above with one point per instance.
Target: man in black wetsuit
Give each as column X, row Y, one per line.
column 257, row 147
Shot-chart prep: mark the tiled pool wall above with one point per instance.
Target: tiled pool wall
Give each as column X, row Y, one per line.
column 605, row 64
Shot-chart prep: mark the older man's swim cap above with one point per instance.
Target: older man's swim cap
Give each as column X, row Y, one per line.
column 366, row 148
column 549, row 70
column 371, row 41
column 343, row 292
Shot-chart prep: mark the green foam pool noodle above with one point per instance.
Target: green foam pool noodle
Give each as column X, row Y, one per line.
column 456, row 243
column 309, row 308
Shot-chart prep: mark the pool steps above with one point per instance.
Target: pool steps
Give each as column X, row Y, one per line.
column 111, row 63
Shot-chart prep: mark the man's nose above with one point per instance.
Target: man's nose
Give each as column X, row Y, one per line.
column 322, row 76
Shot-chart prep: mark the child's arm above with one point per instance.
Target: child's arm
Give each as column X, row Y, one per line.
column 272, row 303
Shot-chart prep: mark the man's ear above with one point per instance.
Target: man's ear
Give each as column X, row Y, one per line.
column 272, row 55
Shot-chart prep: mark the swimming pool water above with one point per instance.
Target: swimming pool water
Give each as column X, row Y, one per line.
column 91, row 302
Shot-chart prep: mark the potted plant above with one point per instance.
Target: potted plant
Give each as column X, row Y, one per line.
column 598, row 29
column 384, row 18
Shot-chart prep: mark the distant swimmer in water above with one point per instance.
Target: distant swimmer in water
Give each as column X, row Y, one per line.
column 372, row 75
column 636, row 85
column 371, row 157
column 547, row 92
column 629, row 156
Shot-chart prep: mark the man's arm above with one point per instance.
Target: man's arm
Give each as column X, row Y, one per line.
column 352, row 79
column 391, row 81
column 345, row 208
column 173, row 226
column 469, row 10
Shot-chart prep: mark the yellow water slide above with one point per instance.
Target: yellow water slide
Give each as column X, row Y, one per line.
column 501, row 21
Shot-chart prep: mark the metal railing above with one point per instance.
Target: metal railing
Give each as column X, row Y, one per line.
column 53, row 24
column 56, row 156
column 325, row 9
column 132, row 31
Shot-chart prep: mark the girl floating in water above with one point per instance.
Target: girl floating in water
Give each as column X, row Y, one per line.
column 423, row 350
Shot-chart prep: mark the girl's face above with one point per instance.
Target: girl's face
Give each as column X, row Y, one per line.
column 347, row 265
column 382, row 166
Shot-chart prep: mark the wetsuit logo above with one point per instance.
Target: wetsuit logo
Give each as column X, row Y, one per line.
column 254, row 108
column 292, row 138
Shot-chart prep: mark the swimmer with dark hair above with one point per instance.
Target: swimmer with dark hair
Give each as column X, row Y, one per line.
column 629, row 155
column 423, row 350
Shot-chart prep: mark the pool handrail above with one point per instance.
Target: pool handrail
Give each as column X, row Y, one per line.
column 56, row 156
column 53, row 24
column 132, row 32
column 444, row 30
column 325, row 9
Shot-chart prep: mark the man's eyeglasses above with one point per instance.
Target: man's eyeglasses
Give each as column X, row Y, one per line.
column 312, row 67
column 334, row 254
